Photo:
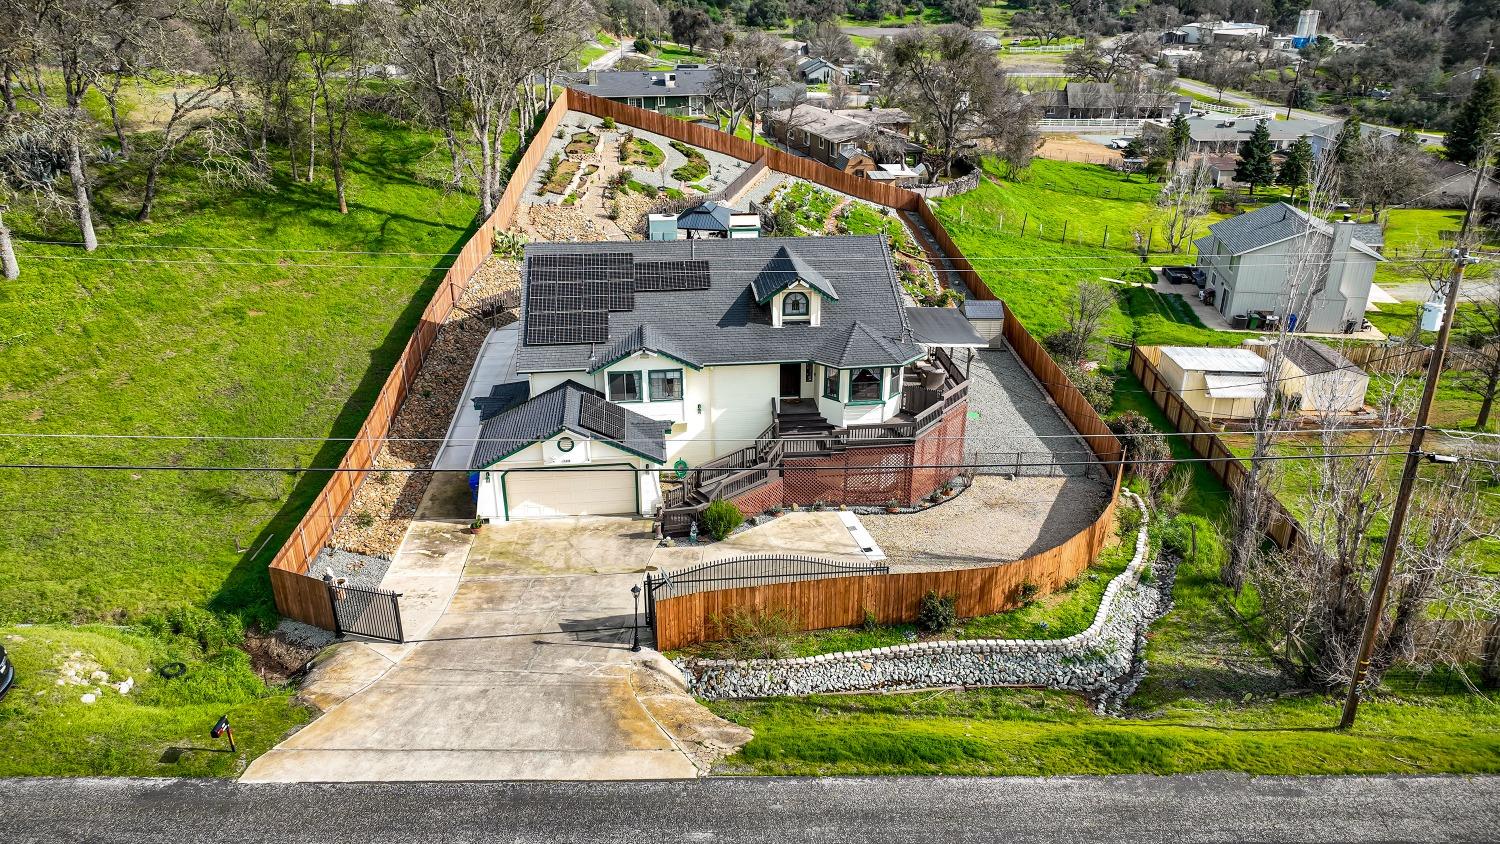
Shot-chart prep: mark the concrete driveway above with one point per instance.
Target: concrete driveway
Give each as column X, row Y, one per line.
column 571, row 545
column 523, row 675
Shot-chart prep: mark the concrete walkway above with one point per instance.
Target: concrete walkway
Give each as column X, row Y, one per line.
column 1213, row 319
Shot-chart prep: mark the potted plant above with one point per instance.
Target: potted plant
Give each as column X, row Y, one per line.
column 819, row 505
column 893, row 506
column 476, row 526
column 949, row 490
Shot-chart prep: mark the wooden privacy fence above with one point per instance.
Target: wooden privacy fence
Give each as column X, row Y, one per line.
column 1284, row 529
column 305, row 597
column 892, row 598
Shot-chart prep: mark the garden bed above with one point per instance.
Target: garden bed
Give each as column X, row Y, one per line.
column 637, row 152
column 696, row 166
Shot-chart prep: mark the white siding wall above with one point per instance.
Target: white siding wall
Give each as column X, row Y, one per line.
column 1259, row 281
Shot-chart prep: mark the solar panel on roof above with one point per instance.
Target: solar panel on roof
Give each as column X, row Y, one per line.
column 567, row 327
column 568, row 296
column 660, row 276
column 601, row 417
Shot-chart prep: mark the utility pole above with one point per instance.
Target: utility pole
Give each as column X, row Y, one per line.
column 1375, row 611
column 1291, row 98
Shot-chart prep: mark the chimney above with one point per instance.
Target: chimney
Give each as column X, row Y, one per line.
column 671, row 80
column 1343, row 235
column 593, row 77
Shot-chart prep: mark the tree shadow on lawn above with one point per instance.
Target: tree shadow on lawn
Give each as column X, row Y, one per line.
column 247, row 584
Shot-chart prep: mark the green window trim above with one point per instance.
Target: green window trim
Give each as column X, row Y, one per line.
column 640, row 386
column 651, row 385
column 838, row 377
column 880, row 383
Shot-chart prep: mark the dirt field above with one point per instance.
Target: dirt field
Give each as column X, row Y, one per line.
column 1074, row 148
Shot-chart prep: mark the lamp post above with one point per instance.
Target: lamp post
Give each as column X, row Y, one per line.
column 635, row 629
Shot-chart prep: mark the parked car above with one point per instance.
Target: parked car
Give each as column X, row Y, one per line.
column 7, row 672
column 1178, row 275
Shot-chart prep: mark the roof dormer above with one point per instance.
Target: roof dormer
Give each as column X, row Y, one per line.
column 792, row 289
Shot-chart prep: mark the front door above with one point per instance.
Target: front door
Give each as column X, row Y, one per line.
column 791, row 380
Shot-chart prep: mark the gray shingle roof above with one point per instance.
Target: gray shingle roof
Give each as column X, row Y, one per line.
column 1272, row 224
column 649, row 83
column 785, row 269
column 648, row 338
column 553, row 412
column 707, row 216
column 724, row 324
column 502, row 397
column 859, row 345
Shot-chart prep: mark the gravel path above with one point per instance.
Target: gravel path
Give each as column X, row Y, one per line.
column 1014, row 425
column 363, row 570
column 996, row 521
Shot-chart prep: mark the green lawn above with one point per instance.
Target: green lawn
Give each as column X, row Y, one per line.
column 243, row 313
column 50, row 731
column 673, row 54
column 1099, row 211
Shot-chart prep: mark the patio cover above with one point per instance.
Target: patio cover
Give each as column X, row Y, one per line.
column 943, row 327
column 1235, row 386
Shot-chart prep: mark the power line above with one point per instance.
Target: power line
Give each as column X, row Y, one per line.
column 84, row 467
column 278, row 251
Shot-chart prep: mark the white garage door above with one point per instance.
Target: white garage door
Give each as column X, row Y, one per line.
column 569, row 492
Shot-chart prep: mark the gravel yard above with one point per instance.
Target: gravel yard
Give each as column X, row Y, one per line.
column 1014, row 426
column 996, row 521
column 384, row 505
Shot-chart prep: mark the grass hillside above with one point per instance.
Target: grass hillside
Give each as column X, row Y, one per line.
column 256, row 313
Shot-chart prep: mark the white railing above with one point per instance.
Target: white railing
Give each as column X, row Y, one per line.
column 1049, row 48
column 1088, row 125
column 1233, row 111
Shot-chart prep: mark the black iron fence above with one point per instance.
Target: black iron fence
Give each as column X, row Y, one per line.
column 366, row 612
column 751, row 570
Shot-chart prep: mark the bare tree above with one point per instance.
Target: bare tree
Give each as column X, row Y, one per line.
column 272, row 68
column 749, row 67
column 1084, row 318
column 336, row 42
column 1183, row 202
column 1479, row 356
column 416, row 39
column 73, row 43
column 958, row 94
column 197, row 61
column 1387, row 173
column 32, row 158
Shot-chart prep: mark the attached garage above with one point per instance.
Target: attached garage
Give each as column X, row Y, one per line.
column 566, row 452
column 548, row 493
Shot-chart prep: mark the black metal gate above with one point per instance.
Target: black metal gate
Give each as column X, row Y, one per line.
column 366, row 612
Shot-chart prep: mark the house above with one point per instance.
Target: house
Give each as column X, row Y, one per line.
column 1103, row 101
column 845, row 139
column 1316, row 377
column 1220, row 168
column 815, row 71
column 643, row 356
column 1251, row 261
column 683, row 92
column 1227, row 33
column 706, row 219
column 1222, row 135
column 1217, row 383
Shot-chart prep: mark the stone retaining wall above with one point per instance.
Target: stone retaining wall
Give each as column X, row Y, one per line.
column 1091, row 661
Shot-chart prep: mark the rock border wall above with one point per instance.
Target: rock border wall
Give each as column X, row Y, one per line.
column 1093, row 661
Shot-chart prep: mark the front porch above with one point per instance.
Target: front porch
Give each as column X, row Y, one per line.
column 931, row 390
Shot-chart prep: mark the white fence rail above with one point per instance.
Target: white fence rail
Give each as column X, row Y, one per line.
column 1100, row 125
column 1049, row 48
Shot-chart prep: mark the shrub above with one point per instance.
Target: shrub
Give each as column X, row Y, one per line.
column 869, row 623
column 936, row 612
column 1027, row 592
column 607, row 123
column 721, row 518
column 1097, row 388
column 643, row 46
column 1142, row 443
column 1129, row 521
column 752, row 633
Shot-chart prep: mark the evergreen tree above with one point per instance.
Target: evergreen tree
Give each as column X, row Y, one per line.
column 1476, row 121
column 1179, row 135
column 1256, row 167
column 1346, row 143
column 1296, row 167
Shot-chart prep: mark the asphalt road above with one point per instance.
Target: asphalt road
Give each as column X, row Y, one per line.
column 1213, row 807
column 1233, row 99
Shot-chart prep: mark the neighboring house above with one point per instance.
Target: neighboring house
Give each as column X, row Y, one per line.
column 1217, row 383
column 1250, row 261
column 705, row 220
column 1220, row 135
column 1103, row 101
column 1318, row 378
column 1453, row 184
column 842, row 139
column 1220, row 168
column 682, row 92
column 1228, row 33
column 645, row 356
column 816, row 71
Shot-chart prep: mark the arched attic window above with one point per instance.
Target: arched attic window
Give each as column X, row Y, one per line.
column 795, row 305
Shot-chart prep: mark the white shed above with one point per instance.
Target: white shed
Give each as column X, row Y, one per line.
column 1218, row 383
